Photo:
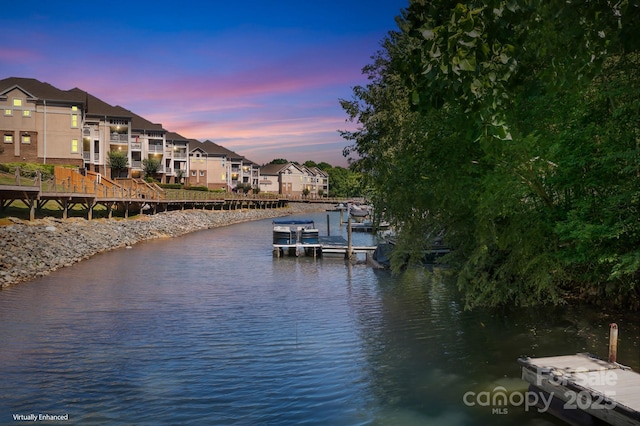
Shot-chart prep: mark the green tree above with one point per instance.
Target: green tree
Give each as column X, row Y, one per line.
column 118, row 162
column 496, row 124
column 150, row 167
column 279, row 161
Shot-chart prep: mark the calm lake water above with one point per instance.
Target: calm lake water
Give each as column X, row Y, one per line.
column 209, row 328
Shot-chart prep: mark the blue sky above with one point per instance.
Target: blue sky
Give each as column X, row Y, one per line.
column 262, row 78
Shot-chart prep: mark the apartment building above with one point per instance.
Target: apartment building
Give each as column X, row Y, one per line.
column 40, row 123
column 217, row 167
column 294, row 180
column 176, row 158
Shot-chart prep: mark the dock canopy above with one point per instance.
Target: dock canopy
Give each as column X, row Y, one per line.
column 292, row 222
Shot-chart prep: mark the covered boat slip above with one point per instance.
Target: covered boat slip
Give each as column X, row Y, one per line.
column 586, row 388
column 301, row 237
column 296, row 237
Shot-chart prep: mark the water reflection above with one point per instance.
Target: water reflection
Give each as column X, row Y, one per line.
column 211, row 326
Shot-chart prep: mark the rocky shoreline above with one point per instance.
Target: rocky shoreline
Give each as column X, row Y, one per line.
column 29, row 249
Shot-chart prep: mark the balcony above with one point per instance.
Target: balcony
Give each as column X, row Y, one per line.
column 156, row 149
column 119, row 138
column 136, row 164
column 136, row 146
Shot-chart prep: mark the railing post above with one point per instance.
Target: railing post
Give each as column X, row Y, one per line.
column 18, row 176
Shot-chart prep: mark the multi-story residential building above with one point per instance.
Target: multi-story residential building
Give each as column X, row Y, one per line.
column 147, row 142
column 286, row 179
column 40, row 123
column 294, row 180
column 105, row 128
column 319, row 182
column 207, row 165
column 217, row 167
column 176, row 158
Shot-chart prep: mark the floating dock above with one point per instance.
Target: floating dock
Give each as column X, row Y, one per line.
column 585, row 389
column 327, row 245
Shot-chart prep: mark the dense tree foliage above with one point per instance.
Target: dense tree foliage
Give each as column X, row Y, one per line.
column 513, row 128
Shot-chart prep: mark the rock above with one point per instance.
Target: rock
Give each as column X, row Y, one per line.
column 31, row 249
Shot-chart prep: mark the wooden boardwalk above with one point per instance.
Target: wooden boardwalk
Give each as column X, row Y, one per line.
column 34, row 198
column 587, row 388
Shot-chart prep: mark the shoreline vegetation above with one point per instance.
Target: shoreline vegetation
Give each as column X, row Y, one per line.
column 31, row 249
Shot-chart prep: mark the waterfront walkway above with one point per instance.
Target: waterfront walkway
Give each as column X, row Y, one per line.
column 69, row 189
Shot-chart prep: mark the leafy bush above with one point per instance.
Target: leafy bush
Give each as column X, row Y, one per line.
column 170, row 185
column 198, row 188
column 29, row 169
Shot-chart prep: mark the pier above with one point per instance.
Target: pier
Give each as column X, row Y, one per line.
column 301, row 237
column 69, row 189
column 585, row 389
column 327, row 245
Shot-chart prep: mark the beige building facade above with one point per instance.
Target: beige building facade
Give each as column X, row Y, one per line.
column 40, row 129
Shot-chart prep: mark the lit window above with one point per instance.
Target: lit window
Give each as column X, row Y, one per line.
column 8, row 111
column 26, row 113
column 224, row 176
column 74, row 146
column 74, row 108
column 74, row 120
column 8, row 138
column 26, row 139
column 17, row 102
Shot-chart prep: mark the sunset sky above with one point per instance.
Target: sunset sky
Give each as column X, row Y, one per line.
column 262, row 78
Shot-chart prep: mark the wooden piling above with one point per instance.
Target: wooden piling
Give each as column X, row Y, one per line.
column 349, row 244
column 328, row 227
column 613, row 342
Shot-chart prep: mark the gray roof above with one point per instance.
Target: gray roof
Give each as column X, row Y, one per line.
column 40, row 91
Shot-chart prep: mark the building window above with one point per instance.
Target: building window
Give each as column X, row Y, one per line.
column 201, row 172
column 26, row 139
column 26, row 113
column 74, row 120
column 74, row 146
column 8, row 112
column 8, row 138
column 224, row 176
column 17, row 102
column 193, row 173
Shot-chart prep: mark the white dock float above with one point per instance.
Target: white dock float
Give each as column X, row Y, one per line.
column 584, row 384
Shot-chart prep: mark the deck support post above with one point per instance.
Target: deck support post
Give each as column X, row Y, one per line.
column 613, row 342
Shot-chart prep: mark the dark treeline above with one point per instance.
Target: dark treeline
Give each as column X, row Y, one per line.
column 514, row 128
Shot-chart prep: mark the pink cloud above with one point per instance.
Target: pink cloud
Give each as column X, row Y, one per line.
column 18, row 55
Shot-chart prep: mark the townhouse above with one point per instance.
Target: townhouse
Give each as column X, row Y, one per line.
column 294, row 180
column 217, row 167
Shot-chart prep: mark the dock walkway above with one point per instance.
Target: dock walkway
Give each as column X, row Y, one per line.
column 586, row 387
column 326, row 245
